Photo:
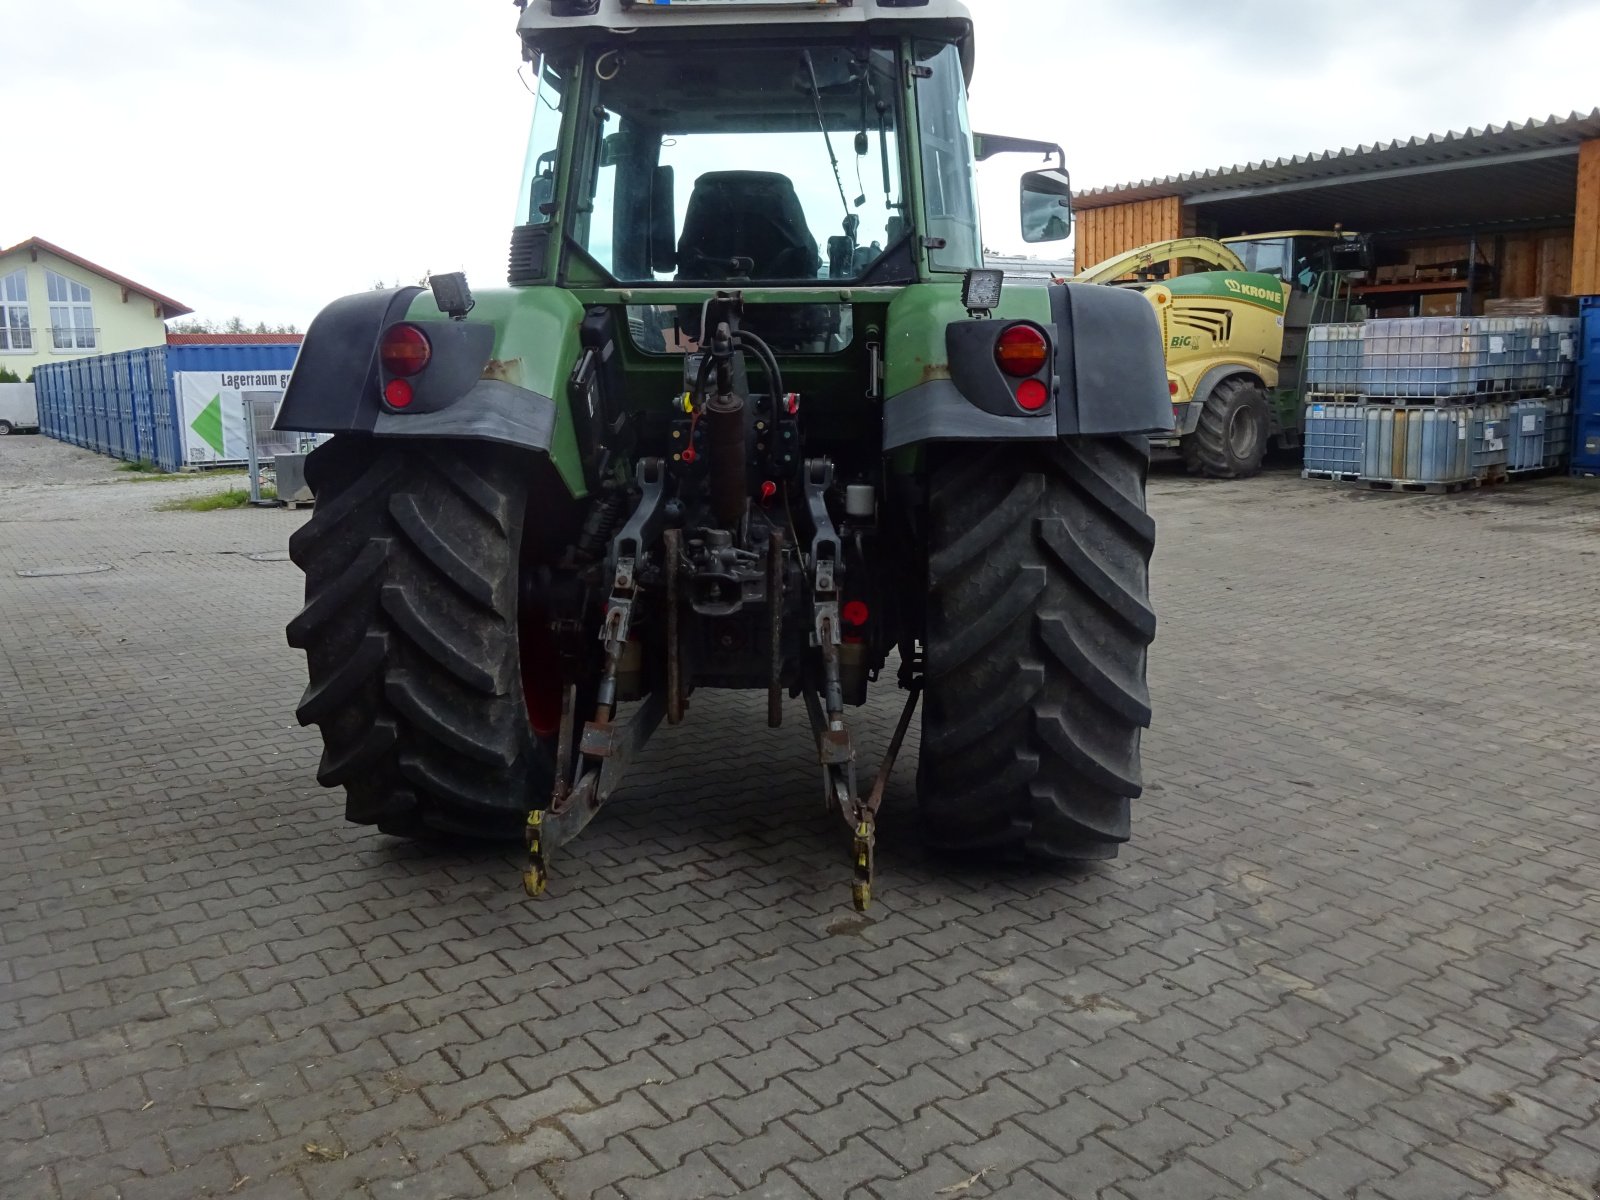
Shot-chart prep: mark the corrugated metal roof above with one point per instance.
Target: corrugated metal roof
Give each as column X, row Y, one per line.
column 235, row 339
column 1438, row 148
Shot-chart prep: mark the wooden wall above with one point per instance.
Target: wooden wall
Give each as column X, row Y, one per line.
column 1585, row 280
column 1103, row 232
column 1533, row 262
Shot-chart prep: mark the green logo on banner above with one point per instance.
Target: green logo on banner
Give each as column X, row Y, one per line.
column 209, row 424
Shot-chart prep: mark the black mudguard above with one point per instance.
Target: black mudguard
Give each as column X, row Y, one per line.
column 1110, row 378
column 337, row 385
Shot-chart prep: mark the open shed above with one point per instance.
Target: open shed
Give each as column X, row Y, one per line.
column 1505, row 212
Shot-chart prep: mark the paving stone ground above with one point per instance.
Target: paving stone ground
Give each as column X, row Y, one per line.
column 1352, row 952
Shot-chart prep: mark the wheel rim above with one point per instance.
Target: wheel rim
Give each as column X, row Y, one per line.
column 1244, row 433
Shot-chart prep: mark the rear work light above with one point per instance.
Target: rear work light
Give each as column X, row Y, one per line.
column 405, row 351
column 1022, row 351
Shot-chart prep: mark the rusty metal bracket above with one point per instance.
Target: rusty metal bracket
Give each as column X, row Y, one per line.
column 837, row 755
column 608, row 751
column 866, row 823
column 604, row 748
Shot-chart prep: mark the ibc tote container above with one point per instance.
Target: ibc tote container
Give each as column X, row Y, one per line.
column 1417, row 356
column 1419, row 445
column 1555, row 345
column 1491, row 438
column 1334, row 434
column 1333, row 359
column 1525, row 449
column 1557, row 430
column 1503, row 358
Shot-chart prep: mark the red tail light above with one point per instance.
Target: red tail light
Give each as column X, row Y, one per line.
column 1022, row 351
column 856, row 612
column 398, row 393
column 1033, row 395
column 405, row 350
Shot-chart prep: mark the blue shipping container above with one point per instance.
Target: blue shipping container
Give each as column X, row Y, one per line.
column 1586, row 402
column 128, row 405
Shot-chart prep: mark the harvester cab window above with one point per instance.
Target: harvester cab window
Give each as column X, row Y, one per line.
column 765, row 164
column 1270, row 256
column 537, row 204
column 949, row 174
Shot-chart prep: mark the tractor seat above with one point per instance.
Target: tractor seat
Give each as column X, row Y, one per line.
column 754, row 215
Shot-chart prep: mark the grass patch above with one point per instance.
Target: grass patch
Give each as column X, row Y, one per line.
column 153, row 475
column 143, row 467
column 212, row 501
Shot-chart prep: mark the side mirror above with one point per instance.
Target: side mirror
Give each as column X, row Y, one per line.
column 663, row 221
column 542, row 196
column 1046, row 206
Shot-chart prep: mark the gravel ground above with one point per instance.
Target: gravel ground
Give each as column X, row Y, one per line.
column 39, row 474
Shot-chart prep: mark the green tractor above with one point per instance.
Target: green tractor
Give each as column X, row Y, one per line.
column 750, row 415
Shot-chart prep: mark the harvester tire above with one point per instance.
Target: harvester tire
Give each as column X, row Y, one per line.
column 1230, row 439
column 412, row 560
column 1038, row 626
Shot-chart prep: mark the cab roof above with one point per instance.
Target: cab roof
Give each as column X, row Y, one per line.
column 552, row 24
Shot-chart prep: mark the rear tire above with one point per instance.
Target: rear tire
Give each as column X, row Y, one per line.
column 413, row 557
column 1230, row 440
column 1039, row 621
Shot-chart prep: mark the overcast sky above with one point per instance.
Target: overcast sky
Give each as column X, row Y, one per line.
column 260, row 157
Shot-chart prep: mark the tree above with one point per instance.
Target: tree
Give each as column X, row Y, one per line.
column 381, row 286
column 231, row 325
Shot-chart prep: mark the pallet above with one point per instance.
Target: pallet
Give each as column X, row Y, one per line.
column 1333, row 476
column 1423, row 489
column 297, row 505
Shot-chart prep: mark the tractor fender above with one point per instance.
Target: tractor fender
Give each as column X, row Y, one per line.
column 1112, row 362
column 1209, row 382
column 1109, row 378
column 337, row 385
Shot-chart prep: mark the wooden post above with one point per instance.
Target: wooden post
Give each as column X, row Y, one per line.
column 1104, row 232
column 1586, row 229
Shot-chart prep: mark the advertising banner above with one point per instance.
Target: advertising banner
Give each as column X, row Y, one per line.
column 212, row 407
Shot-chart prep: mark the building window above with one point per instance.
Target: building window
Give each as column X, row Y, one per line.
column 15, row 332
column 71, row 313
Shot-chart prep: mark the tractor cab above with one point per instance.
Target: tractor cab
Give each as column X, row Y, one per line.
column 740, row 144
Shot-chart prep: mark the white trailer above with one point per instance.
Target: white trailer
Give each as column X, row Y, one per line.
column 19, row 410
